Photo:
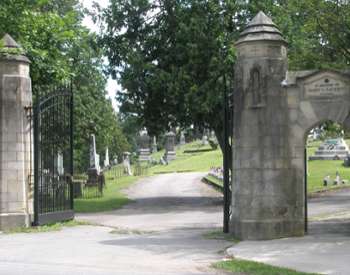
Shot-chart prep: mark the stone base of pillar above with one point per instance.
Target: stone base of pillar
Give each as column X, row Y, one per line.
column 266, row 230
column 144, row 155
column 12, row 220
column 171, row 155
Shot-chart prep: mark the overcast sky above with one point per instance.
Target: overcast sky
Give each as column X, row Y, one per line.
column 112, row 85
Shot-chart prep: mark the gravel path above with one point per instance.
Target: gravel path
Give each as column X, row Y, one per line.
column 160, row 233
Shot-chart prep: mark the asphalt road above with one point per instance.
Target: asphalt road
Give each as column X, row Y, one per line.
column 161, row 232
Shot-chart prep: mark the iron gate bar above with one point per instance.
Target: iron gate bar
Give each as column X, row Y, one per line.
column 227, row 200
column 305, row 190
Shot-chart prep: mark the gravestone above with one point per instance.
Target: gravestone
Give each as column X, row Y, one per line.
column 59, row 164
column 106, row 163
column 170, row 153
column 94, row 157
column 126, row 163
column 144, row 150
column 94, row 171
column 331, row 149
column 115, row 160
column 205, row 139
column 182, row 138
column 274, row 110
column 154, row 145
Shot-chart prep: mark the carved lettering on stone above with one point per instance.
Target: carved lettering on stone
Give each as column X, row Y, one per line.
column 325, row 87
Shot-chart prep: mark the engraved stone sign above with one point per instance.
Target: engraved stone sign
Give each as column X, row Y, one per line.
column 326, row 86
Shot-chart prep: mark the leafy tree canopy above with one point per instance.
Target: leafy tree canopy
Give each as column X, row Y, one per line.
column 61, row 50
column 172, row 56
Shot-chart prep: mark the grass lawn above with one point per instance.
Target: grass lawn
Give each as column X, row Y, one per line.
column 318, row 169
column 214, row 181
column 189, row 162
column 112, row 196
column 46, row 228
column 244, row 267
column 201, row 162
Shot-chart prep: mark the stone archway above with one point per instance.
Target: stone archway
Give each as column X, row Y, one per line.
column 269, row 149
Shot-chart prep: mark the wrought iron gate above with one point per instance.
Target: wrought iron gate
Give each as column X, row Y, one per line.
column 53, row 155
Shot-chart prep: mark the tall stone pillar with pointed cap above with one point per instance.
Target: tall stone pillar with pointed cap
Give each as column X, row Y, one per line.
column 263, row 197
column 15, row 136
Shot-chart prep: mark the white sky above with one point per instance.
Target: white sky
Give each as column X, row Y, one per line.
column 112, row 85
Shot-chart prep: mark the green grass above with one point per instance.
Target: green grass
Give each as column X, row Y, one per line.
column 189, row 162
column 244, row 267
column 219, row 235
column 200, row 162
column 318, row 169
column 112, row 196
column 215, row 180
column 46, row 228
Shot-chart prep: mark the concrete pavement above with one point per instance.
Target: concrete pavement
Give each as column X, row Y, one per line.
column 325, row 250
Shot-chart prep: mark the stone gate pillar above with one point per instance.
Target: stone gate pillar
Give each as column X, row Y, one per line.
column 15, row 137
column 263, row 193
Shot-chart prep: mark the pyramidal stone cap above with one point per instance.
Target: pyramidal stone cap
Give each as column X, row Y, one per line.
column 261, row 28
column 10, row 43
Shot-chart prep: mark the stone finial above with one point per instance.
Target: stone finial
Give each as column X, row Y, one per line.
column 12, row 50
column 259, row 29
column 261, row 19
column 9, row 42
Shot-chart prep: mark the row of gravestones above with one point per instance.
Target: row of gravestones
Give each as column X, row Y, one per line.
column 95, row 175
column 94, row 172
column 170, row 140
column 170, row 154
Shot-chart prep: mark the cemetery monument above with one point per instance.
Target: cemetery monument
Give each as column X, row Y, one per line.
column 154, row 145
column 182, row 138
column 331, row 149
column 106, row 161
column 170, row 153
column 144, row 150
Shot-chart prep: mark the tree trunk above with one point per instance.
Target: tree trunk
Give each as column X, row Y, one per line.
column 219, row 133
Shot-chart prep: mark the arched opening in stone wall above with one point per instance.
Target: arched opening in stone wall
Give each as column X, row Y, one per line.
column 327, row 166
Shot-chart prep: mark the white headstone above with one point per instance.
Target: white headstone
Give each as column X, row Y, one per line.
column 94, row 158
column 205, row 140
column 154, row 145
column 97, row 165
column 106, row 162
column 182, row 139
column 60, row 167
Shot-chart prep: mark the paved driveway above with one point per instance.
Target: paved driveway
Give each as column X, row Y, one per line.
column 160, row 233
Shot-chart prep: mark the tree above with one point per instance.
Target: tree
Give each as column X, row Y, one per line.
column 171, row 57
column 61, row 50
